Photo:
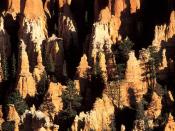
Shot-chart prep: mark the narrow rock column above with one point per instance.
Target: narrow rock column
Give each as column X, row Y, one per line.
column 25, row 84
column 33, row 28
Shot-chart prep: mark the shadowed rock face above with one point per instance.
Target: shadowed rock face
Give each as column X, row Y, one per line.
column 5, row 49
column 55, row 55
column 36, row 120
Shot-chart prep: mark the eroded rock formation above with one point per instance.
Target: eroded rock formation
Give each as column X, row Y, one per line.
column 102, row 66
column 1, row 117
column 26, row 83
column 170, row 126
column 36, row 120
column 99, row 118
column 155, row 107
column 52, row 104
column 33, row 28
column 67, row 29
column 13, row 7
column 13, row 116
column 99, row 39
column 83, row 67
column 45, row 59
column 165, row 33
column 54, row 55
column 82, row 75
column 39, row 73
column 134, row 76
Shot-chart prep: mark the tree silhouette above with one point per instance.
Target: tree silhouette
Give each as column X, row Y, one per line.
column 123, row 49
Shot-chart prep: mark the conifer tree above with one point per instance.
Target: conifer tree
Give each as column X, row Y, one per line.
column 8, row 126
column 71, row 100
column 18, row 101
column 123, row 50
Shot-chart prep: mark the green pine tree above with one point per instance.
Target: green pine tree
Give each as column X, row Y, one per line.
column 123, row 49
column 18, row 101
column 71, row 100
column 8, row 126
column 153, row 65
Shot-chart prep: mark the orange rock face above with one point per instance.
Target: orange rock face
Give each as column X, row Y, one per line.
column 25, row 84
column 108, row 23
column 82, row 73
column 62, row 3
column 33, row 9
column 105, row 15
column 1, row 117
column 47, row 5
column 13, row 7
column 154, row 109
column 39, row 73
column 43, row 59
column 163, row 41
column 119, row 7
column 133, row 75
column 13, row 116
column 170, row 126
column 171, row 27
column 165, row 32
column 100, row 39
column 133, row 71
column 52, row 101
column 99, row 118
column 83, row 67
column 102, row 66
column 33, row 29
column 134, row 5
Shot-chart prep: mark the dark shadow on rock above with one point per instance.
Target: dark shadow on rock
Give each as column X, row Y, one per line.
column 125, row 117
